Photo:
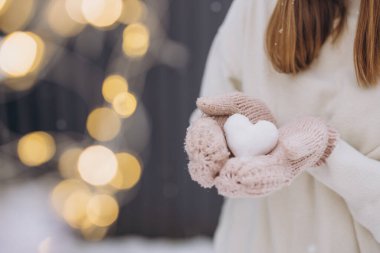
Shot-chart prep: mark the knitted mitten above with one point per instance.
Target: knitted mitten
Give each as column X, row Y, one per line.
column 205, row 142
column 303, row 144
column 236, row 102
column 207, row 150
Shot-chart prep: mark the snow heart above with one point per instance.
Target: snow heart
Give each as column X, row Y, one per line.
column 247, row 139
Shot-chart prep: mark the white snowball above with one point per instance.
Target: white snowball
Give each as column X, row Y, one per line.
column 247, row 139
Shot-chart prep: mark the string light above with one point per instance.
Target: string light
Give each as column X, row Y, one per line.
column 74, row 208
column 74, row 9
column 128, row 173
column 102, row 210
column 63, row 190
column 125, row 104
column 112, row 86
column 103, row 124
column 16, row 15
column 36, row 148
column 97, row 165
column 133, row 11
column 20, row 53
column 20, row 84
column 68, row 161
column 135, row 40
column 60, row 21
column 102, row 13
column 94, row 233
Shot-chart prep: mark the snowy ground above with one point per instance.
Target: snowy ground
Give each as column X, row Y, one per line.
column 27, row 224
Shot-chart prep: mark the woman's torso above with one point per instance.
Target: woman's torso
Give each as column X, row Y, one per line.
column 306, row 217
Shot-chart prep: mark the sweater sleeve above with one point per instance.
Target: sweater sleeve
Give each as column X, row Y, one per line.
column 224, row 64
column 356, row 178
column 223, row 67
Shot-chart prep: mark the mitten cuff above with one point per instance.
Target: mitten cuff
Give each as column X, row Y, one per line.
column 331, row 144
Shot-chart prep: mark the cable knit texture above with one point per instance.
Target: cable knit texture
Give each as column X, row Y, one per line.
column 304, row 143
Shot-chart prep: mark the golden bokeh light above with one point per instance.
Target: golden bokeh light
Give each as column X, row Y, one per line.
column 59, row 20
column 74, row 9
column 128, row 173
column 112, row 86
column 94, row 233
column 36, row 148
column 16, row 15
column 97, row 165
column 136, row 40
column 125, row 104
column 62, row 192
column 133, row 11
column 102, row 210
column 75, row 208
column 68, row 162
column 102, row 13
column 20, row 53
column 21, row 84
column 103, row 124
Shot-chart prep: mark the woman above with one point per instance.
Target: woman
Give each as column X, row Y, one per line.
column 307, row 58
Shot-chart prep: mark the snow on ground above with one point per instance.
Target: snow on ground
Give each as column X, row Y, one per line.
column 28, row 224
column 140, row 245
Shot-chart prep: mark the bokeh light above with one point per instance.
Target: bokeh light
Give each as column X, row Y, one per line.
column 133, row 11
column 68, row 162
column 112, row 86
column 102, row 210
column 75, row 206
column 135, row 40
column 62, row 192
column 20, row 53
column 103, row 124
column 125, row 104
column 35, row 48
column 36, row 148
column 128, row 173
column 97, row 165
column 17, row 15
column 94, row 233
column 74, row 9
column 59, row 20
column 21, row 84
column 102, row 13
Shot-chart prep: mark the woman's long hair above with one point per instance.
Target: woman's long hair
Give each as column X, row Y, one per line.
column 298, row 29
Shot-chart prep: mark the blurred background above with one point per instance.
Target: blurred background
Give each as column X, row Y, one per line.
column 95, row 97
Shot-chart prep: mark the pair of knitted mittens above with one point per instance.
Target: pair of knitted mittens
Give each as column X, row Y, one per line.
column 303, row 143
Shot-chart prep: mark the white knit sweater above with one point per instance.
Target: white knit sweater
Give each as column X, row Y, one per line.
column 332, row 208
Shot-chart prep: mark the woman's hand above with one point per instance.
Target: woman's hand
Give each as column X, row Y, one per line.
column 304, row 143
column 205, row 142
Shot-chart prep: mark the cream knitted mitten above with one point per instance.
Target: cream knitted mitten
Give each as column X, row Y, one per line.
column 205, row 142
column 207, row 150
column 304, row 143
